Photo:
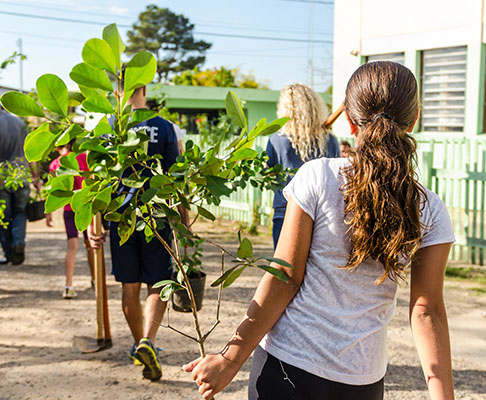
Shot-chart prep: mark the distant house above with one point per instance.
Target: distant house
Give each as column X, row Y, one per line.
column 4, row 89
column 441, row 41
column 257, row 103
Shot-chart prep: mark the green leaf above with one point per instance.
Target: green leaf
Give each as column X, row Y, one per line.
column 75, row 98
column 234, row 110
column 80, row 199
column 217, row 186
column 116, row 203
column 112, row 37
column 98, row 54
column 112, row 216
column 243, row 154
column 64, row 182
column 98, row 104
column 163, row 283
column 205, row 213
column 274, row 126
column 92, row 146
column 53, row 94
column 278, row 261
column 223, row 277
column 103, row 127
column 85, row 75
column 232, row 277
column 104, row 196
column 140, row 70
column 275, row 272
column 87, row 91
column 70, row 162
column 20, row 104
column 167, row 291
column 133, row 183
column 83, row 217
column 158, row 181
column 245, row 250
column 148, row 195
column 140, row 115
column 70, row 133
column 40, row 142
column 54, row 202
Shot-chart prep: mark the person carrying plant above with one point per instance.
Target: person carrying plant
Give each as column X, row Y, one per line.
column 138, row 261
column 12, row 237
column 71, row 231
column 301, row 139
column 351, row 230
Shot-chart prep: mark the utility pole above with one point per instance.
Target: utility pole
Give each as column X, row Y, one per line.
column 311, row 43
column 19, row 43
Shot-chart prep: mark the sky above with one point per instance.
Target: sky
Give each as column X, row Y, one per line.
column 275, row 40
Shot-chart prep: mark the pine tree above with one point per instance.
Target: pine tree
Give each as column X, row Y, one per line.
column 169, row 37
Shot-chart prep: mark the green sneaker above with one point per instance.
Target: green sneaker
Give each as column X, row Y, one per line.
column 146, row 354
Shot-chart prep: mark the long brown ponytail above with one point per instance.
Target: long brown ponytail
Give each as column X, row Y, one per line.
column 382, row 196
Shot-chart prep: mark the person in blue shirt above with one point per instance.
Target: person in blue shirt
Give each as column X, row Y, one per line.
column 302, row 138
column 138, row 261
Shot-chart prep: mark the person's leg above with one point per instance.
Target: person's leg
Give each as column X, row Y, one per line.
column 156, row 266
column 153, row 313
column 6, row 233
column 72, row 246
column 70, row 260
column 19, row 215
column 132, row 309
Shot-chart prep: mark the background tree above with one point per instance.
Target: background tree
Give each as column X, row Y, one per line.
column 169, row 37
column 219, row 77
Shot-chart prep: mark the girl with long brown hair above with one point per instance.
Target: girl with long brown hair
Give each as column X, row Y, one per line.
column 351, row 230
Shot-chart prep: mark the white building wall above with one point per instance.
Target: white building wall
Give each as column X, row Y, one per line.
column 370, row 27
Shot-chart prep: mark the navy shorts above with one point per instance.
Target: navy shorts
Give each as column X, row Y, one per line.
column 71, row 230
column 138, row 261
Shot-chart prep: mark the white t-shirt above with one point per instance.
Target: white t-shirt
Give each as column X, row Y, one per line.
column 335, row 327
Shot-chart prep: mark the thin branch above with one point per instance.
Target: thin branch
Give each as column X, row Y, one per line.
column 218, row 307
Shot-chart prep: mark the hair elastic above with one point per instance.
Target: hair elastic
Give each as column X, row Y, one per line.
column 382, row 115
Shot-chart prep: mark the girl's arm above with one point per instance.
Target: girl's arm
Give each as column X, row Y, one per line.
column 271, row 298
column 428, row 319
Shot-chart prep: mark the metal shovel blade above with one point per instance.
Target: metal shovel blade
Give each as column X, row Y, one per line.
column 84, row 344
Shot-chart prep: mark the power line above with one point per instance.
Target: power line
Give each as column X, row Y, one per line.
column 327, row 3
column 99, row 23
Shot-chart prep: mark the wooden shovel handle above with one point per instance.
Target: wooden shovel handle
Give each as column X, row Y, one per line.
column 333, row 117
column 106, row 316
column 98, row 267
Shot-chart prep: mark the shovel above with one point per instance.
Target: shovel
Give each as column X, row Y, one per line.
column 84, row 344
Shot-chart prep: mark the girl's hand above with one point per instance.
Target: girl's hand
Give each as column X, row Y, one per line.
column 212, row 373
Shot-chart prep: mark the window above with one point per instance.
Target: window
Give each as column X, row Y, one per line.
column 443, row 89
column 395, row 57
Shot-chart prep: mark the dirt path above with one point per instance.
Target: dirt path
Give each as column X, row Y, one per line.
column 37, row 327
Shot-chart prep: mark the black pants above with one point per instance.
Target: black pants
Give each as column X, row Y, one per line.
column 272, row 379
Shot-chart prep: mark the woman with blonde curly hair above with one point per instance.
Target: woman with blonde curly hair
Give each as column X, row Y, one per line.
column 303, row 138
column 352, row 229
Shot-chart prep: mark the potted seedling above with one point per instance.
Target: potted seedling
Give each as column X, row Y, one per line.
column 198, row 177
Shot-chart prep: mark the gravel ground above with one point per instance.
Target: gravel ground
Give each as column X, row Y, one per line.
column 37, row 328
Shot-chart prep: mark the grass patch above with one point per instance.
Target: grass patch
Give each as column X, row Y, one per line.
column 471, row 274
column 459, row 272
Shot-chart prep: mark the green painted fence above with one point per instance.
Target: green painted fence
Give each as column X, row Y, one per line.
column 455, row 169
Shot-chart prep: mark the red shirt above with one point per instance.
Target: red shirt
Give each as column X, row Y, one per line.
column 78, row 180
